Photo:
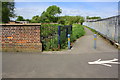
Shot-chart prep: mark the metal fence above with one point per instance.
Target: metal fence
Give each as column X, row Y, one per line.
column 54, row 37
column 63, row 32
column 108, row 27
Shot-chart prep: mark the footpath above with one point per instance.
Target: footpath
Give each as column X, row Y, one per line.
column 85, row 44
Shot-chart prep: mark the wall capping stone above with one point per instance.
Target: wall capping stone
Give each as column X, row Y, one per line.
column 35, row 24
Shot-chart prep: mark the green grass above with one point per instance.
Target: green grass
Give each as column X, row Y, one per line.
column 77, row 32
column 1, row 23
column 94, row 31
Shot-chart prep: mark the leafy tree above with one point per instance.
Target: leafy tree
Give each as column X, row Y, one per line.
column 53, row 10
column 81, row 20
column 7, row 11
column 20, row 18
column 69, row 20
column 35, row 19
column 44, row 17
column 61, row 21
column 28, row 20
column 50, row 15
column 93, row 17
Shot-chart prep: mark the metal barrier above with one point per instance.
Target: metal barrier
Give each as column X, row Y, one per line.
column 63, row 32
column 54, row 37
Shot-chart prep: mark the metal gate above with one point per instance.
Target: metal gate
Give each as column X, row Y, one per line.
column 54, row 36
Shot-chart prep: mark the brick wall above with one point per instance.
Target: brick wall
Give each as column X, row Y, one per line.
column 21, row 37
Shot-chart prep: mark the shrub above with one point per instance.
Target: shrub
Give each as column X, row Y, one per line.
column 49, row 36
column 77, row 31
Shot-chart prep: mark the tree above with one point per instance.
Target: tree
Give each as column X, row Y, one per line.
column 20, row 18
column 81, row 19
column 7, row 11
column 50, row 15
column 28, row 20
column 69, row 20
column 53, row 10
column 93, row 17
column 35, row 19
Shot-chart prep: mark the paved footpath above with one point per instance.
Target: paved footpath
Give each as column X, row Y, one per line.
column 63, row 64
column 85, row 45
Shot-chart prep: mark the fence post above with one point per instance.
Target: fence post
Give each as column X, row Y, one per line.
column 68, row 41
column 58, row 37
column 95, row 38
column 66, row 31
column 70, row 29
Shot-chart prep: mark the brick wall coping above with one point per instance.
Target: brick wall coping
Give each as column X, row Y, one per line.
column 37, row 24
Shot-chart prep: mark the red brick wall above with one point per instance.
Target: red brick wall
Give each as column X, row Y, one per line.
column 21, row 37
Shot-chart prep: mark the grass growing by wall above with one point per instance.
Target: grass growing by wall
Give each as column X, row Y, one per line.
column 1, row 23
column 77, row 32
column 94, row 31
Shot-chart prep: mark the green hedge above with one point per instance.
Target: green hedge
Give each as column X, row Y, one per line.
column 77, row 31
column 49, row 29
column 49, row 36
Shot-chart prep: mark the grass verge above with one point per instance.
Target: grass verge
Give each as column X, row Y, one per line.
column 77, row 32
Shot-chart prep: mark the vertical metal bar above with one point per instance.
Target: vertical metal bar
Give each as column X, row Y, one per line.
column 58, row 37
column 95, row 38
column 66, row 31
column 68, row 41
column 70, row 29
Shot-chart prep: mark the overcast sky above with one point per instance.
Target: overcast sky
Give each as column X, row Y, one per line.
column 102, row 9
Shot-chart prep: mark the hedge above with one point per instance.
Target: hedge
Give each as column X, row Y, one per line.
column 77, row 31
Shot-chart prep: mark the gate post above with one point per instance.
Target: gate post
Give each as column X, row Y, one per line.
column 67, row 30
column 68, row 41
column 70, row 29
column 58, row 37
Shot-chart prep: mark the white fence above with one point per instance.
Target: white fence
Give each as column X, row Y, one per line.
column 108, row 27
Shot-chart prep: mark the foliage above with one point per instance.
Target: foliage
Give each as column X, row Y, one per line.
column 49, row 36
column 77, row 31
column 44, row 17
column 53, row 10
column 93, row 17
column 69, row 20
column 1, row 22
column 35, row 19
column 7, row 11
column 20, row 18
column 50, row 14
column 28, row 20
